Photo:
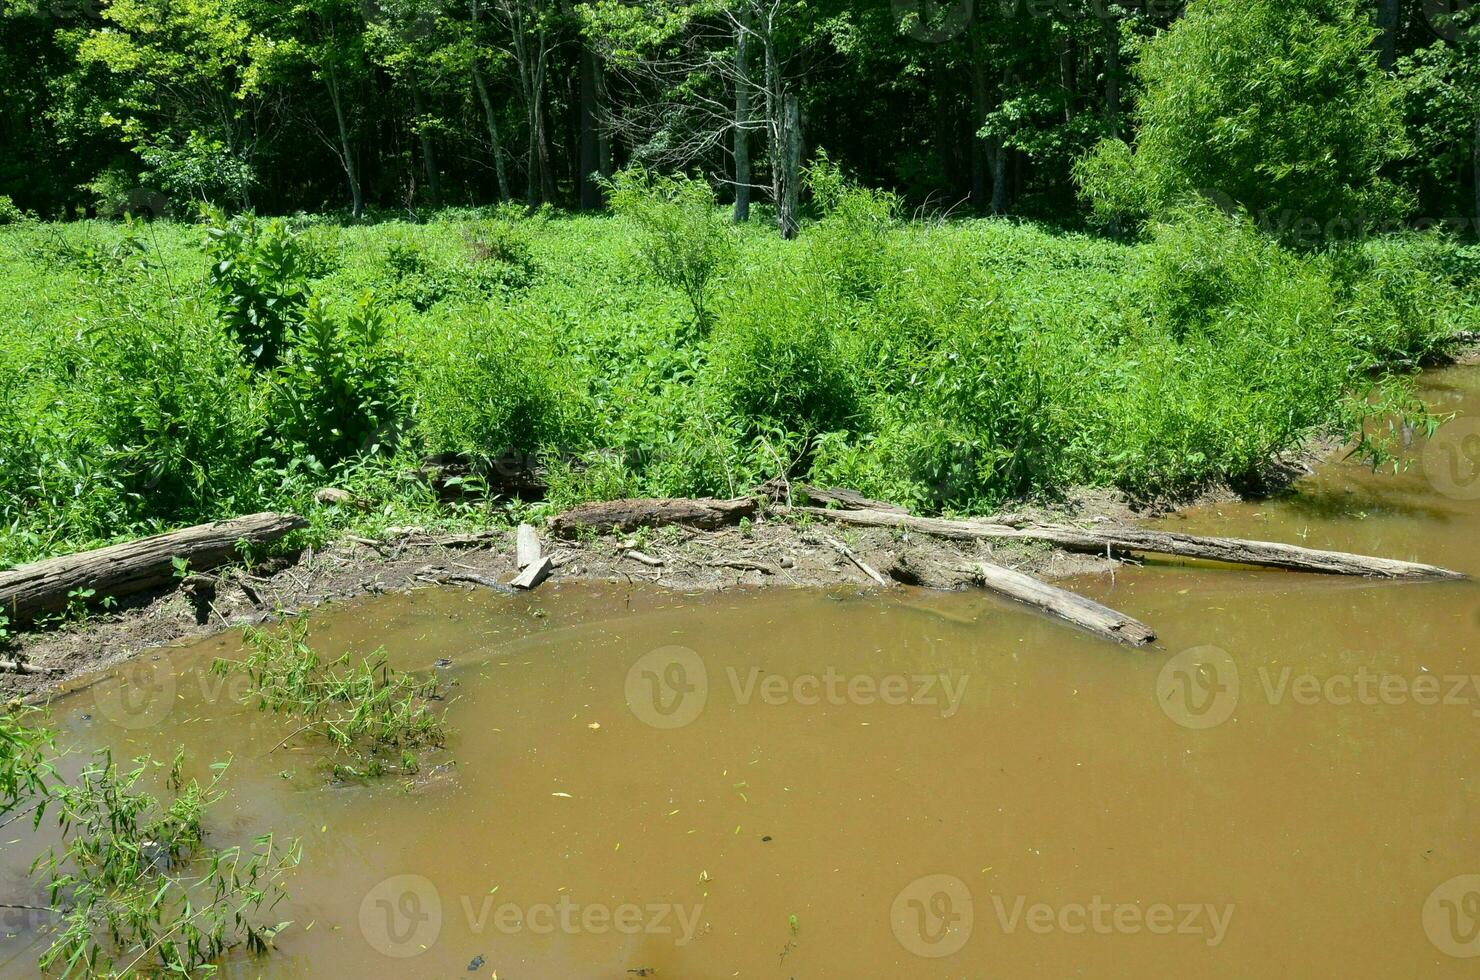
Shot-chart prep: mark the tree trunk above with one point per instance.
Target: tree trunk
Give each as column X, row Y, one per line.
column 791, row 167
column 603, row 137
column 346, row 152
column 1066, row 77
column 1475, row 159
column 980, row 156
column 491, row 119
column 590, row 157
column 742, row 118
column 428, row 150
column 1000, row 193
column 1387, row 38
column 1112, row 75
column 28, row 591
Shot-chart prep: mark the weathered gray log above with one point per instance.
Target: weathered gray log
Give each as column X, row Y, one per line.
column 849, row 499
column 28, row 591
column 1066, row 605
column 537, row 572
column 526, row 546
column 1266, row 554
column 629, row 515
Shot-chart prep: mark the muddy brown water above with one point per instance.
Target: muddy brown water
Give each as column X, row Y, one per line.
column 833, row 784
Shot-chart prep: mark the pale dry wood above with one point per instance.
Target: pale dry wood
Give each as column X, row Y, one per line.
column 644, row 558
column 743, row 565
column 17, row 667
column 1071, row 607
column 629, row 515
column 883, row 580
column 537, row 572
column 1265, row 554
column 526, row 546
column 28, row 591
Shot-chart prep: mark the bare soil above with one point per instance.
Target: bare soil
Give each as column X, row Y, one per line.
column 772, row 551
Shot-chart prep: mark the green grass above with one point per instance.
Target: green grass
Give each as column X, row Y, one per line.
column 948, row 366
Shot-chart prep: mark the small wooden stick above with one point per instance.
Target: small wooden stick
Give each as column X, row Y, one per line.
column 863, row 566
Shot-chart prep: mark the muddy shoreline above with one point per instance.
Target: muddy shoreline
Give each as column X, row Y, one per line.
column 772, row 551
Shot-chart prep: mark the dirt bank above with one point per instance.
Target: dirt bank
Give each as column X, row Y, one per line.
column 772, row 551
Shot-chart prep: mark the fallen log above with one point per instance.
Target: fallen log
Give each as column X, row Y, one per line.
column 849, row 499
column 1063, row 604
column 1265, row 554
column 28, row 591
column 629, row 515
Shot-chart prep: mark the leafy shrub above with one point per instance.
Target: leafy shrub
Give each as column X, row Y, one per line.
column 686, row 239
column 257, row 273
column 1277, row 106
column 777, row 360
column 496, row 260
column 850, row 247
column 1404, row 297
column 486, row 387
column 337, row 392
column 10, row 213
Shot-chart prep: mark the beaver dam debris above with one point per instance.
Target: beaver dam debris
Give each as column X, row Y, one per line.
column 153, row 563
column 1129, row 540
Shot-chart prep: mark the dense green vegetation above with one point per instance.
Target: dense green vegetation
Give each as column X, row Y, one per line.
column 168, row 373
column 153, row 105
column 1247, row 269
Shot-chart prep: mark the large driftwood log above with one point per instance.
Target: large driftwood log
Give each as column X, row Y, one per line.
column 1265, row 554
column 629, row 515
column 1066, row 605
column 28, row 591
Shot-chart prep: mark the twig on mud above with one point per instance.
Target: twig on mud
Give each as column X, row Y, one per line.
column 471, row 579
column 863, row 566
column 17, row 667
column 743, row 565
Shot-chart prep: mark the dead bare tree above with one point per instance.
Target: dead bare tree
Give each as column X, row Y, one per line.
column 723, row 75
column 531, row 37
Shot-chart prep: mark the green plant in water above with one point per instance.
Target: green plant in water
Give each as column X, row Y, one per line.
column 138, row 890
column 371, row 714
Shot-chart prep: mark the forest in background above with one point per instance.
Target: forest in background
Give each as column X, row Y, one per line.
column 1257, row 265
column 151, row 106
